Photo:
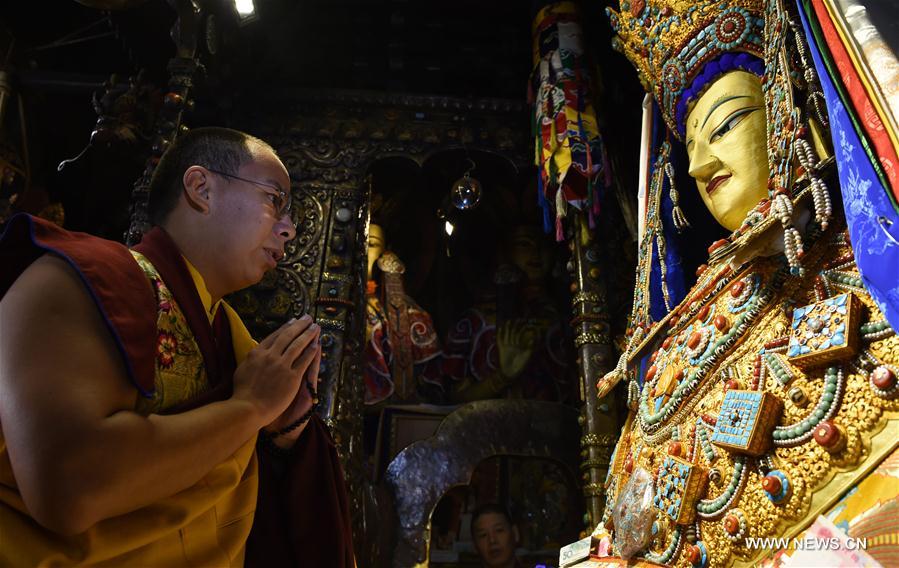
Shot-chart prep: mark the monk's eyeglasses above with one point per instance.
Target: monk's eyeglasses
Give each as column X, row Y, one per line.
column 281, row 200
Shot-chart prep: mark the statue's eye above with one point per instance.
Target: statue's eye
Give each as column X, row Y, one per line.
column 731, row 122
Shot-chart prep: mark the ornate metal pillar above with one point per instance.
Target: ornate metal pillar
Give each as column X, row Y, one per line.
column 595, row 357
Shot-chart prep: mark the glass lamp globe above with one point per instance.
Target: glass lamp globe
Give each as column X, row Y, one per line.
column 466, row 193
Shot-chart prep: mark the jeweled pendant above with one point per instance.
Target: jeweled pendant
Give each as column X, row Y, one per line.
column 634, row 514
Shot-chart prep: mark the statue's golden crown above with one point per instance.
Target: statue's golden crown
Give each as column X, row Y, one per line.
column 671, row 41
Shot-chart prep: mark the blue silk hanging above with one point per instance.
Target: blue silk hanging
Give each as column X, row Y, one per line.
column 872, row 220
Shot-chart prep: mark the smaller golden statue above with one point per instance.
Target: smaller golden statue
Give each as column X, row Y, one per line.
column 400, row 338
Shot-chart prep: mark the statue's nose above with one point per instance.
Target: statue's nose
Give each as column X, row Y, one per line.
column 703, row 164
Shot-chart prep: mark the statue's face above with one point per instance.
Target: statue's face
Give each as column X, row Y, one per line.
column 527, row 251
column 375, row 245
column 727, row 149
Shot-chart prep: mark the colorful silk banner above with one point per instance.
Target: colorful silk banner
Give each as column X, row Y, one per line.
column 568, row 146
column 872, row 220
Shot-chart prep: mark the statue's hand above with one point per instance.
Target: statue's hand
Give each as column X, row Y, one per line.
column 515, row 340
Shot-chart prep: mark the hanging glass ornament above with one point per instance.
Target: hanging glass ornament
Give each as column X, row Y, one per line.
column 466, row 192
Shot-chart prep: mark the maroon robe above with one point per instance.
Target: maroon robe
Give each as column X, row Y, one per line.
column 302, row 512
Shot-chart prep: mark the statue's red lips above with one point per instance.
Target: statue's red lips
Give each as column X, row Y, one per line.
column 715, row 182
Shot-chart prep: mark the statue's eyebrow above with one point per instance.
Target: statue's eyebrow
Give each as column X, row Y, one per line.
column 720, row 102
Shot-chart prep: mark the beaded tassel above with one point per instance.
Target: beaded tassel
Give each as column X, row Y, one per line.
column 815, row 96
column 808, row 160
column 783, row 208
column 677, row 214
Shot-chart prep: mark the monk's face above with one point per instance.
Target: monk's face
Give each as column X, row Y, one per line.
column 727, row 149
column 249, row 229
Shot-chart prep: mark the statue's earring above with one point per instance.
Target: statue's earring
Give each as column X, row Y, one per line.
column 677, row 214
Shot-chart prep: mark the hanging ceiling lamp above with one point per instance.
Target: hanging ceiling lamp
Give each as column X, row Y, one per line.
column 466, row 191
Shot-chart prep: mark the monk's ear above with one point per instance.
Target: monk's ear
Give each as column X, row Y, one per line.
column 196, row 188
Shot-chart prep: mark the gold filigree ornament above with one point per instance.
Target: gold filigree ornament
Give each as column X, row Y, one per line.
column 763, row 483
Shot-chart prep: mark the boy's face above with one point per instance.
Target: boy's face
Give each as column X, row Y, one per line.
column 495, row 539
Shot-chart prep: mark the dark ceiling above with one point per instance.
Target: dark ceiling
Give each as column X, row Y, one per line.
column 63, row 51
column 462, row 48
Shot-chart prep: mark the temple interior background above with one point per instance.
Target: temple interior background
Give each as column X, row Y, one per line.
column 379, row 109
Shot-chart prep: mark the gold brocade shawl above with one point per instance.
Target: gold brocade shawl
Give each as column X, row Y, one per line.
column 204, row 525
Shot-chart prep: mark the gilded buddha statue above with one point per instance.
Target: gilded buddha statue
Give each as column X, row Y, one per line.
column 766, row 391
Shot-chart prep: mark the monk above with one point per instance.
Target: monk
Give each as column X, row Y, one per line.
column 132, row 398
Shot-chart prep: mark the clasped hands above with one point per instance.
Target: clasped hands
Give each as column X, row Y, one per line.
column 279, row 378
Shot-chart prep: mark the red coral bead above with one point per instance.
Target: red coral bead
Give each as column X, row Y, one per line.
column 772, row 484
column 703, row 313
column 717, row 245
column 637, row 7
column 829, row 436
column 694, row 554
column 721, row 323
column 694, row 340
column 731, row 524
column 883, row 378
